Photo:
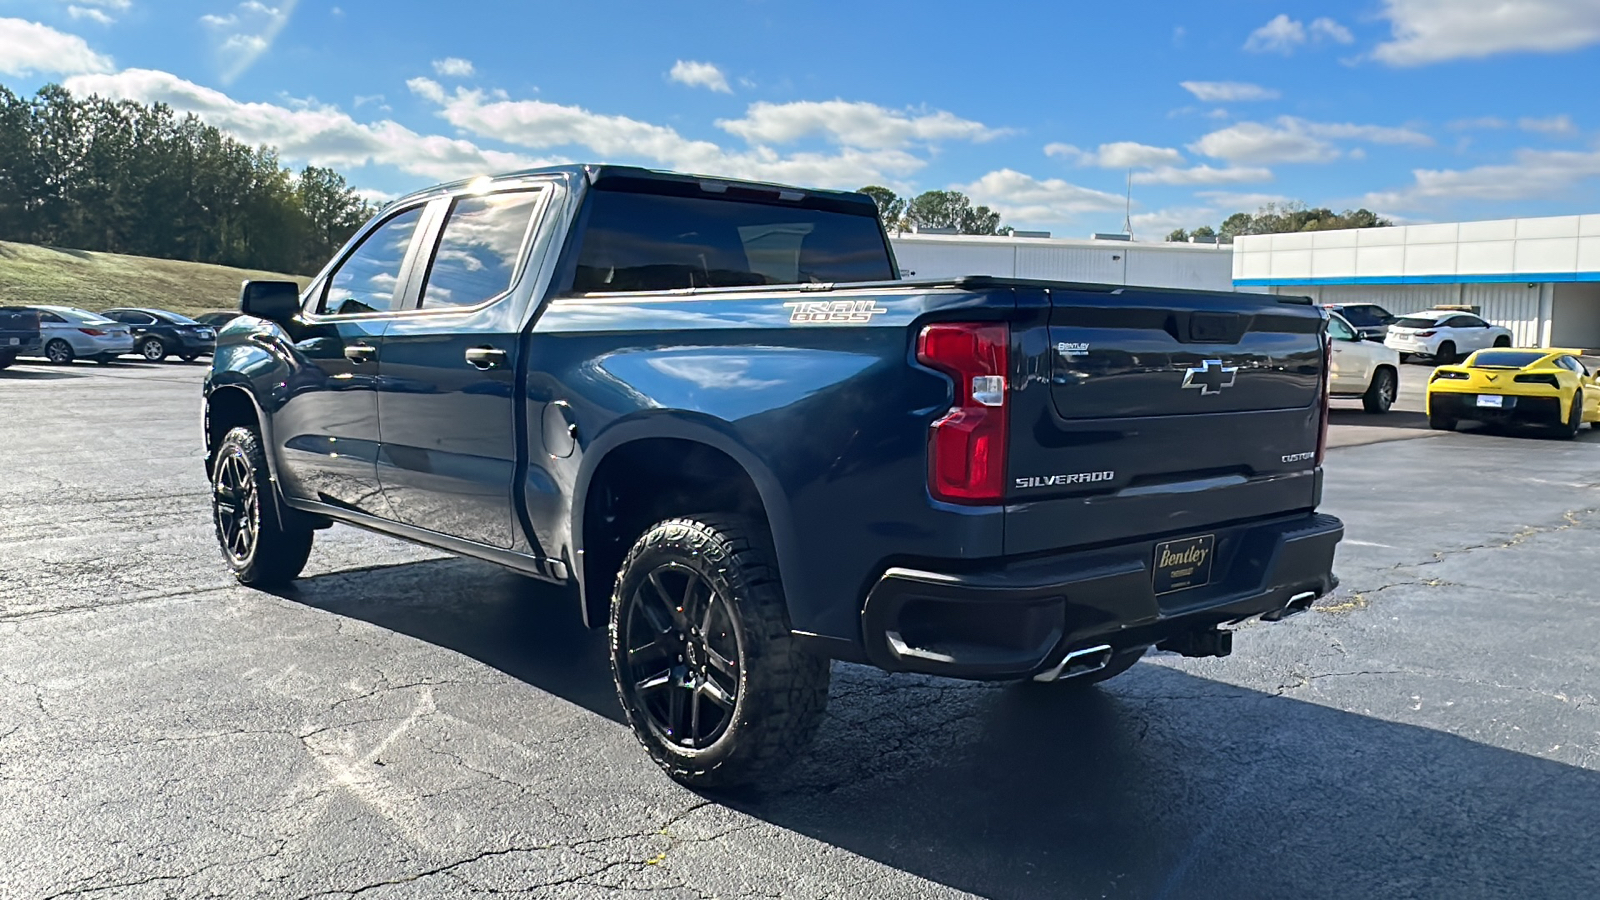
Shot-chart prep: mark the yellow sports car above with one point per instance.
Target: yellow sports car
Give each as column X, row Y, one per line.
column 1510, row 386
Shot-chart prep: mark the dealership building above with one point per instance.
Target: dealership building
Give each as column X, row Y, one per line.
column 1538, row 277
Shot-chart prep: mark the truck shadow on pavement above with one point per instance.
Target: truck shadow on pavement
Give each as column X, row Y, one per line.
column 1159, row 784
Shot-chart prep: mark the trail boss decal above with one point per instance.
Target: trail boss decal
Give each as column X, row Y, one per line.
column 1042, row 481
column 1180, row 565
column 833, row 312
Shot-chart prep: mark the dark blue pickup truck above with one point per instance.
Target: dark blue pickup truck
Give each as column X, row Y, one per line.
column 19, row 334
column 710, row 408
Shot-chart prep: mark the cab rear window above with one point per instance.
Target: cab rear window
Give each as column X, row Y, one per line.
column 651, row 242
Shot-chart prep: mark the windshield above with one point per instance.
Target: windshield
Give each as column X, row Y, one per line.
column 1506, row 359
column 1366, row 316
column 651, row 242
column 1416, row 322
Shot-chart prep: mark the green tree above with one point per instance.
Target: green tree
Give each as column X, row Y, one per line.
column 1178, row 236
column 891, row 208
column 1204, row 231
column 952, row 209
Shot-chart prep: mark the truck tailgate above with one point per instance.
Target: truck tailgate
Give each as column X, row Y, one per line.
column 1141, row 412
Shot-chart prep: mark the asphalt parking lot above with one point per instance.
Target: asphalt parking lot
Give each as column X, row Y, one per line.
column 403, row 724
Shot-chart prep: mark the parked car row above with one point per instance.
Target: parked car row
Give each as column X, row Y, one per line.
column 62, row 334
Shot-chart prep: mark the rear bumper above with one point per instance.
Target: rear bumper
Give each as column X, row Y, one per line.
column 24, row 346
column 1518, row 409
column 1017, row 619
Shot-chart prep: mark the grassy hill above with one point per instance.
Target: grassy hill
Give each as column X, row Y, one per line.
column 31, row 274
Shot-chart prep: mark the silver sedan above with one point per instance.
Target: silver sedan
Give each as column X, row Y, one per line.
column 70, row 333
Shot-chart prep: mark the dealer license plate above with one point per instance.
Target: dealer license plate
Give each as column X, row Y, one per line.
column 1184, row 564
column 1494, row 401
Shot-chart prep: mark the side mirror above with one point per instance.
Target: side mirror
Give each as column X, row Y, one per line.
column 277, row 301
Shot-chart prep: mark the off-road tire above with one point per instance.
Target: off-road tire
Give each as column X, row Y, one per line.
column 274, row 556
column 153, row 349
column 60, row 352
column 1381, row 392
column 782, row 690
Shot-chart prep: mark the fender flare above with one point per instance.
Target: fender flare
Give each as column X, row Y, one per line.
column 694, row 427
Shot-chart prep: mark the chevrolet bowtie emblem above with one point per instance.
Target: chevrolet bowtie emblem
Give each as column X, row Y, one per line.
column 1211, row 376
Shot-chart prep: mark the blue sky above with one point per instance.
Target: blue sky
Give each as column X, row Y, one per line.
column 1425, row 110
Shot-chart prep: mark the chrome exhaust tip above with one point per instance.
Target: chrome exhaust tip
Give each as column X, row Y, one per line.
column 1297, row 604
column 1078, row 662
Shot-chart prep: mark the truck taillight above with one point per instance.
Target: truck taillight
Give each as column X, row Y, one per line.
column 1327, row 387
column 967, row 447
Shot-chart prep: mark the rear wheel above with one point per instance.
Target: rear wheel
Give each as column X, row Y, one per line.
column 1381, row 392
column 260, row 553
column 708, row 672
column 152, row 349
column 1446, row 354
column 1574, row 417
column 59, row 352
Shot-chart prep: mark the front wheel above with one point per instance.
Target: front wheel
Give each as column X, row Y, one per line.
column 709, row 675
column 1380, row 393
column 260, row 553
column 152, row 349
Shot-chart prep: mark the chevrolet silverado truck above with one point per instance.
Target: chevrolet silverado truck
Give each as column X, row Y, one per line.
column 711, row 410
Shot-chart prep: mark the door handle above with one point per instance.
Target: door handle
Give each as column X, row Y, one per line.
column 485, row 358
column 360, row 353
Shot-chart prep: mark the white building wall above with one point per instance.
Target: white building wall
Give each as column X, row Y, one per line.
column 1515, row 306
column 1199, row 267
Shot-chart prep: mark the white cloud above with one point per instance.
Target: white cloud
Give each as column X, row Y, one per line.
column 1202, row 175
column 241, row 37
column 1294, row 140
column 700, row 74
column 1431, row 31
column 1535, row 173
column 1151, row 226
column 1555, row 126
column 1026, row 200
column 852, row 124
column 1481, row 123
column 1228, row 91
column 1119, row 155
column 28, row 48
column 90, row 13
column 1283, row 34
column 321, row 135
column 539, row 125
column 454, row 67
column 1234, row 201
column 1333, row 31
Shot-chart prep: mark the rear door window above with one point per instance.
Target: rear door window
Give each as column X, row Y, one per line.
column 478, row 253
column 1416, row 322
column 650, row 242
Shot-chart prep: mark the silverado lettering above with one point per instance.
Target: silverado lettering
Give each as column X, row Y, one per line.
column 736, row 505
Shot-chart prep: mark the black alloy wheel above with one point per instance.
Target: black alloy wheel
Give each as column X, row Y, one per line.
column 59, row 352
column 707, row 668
column 238, row 505
column 682, row 653
column 259, row 549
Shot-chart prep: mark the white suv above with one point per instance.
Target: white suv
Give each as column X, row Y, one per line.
column 1444, row 335
column 1362, row 368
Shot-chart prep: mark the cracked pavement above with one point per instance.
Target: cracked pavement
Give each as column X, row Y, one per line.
column 404, row 724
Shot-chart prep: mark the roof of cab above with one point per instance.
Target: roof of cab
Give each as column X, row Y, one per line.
column 595, row 173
